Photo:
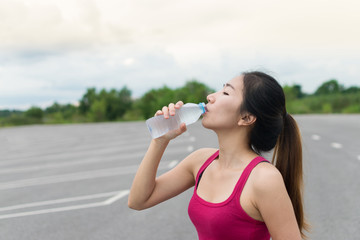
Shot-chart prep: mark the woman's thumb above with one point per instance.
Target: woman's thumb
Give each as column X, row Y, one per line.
column 183, row 128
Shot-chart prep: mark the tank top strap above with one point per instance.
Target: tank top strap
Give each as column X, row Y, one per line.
column 204, row 166
column 246, row 173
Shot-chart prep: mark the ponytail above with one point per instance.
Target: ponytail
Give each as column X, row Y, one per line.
column 275, row 129
column 288, row 160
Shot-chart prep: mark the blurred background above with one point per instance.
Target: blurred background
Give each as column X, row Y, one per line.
column 112, row 63
column 88, row 60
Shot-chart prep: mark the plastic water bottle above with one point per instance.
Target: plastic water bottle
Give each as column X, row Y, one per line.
column 188, row 114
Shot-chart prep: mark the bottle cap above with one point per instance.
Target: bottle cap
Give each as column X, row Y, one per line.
column 203, row 107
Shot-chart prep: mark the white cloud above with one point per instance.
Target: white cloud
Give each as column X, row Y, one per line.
column 63, row 47
column 128, row 62
column 231, row 25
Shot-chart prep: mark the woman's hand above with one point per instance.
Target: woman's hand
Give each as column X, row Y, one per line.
column 168, row 111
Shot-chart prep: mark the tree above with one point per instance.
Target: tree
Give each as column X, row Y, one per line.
column 352, row 89
column 293, row 92
column 97, row 111
column 87, row 100
column 35, row 113
column 125, row 101
column 155, row 99
column 193, row 91
column 329, row 87
column 53, row 108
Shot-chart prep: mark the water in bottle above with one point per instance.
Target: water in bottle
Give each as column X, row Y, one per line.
column 188, row 114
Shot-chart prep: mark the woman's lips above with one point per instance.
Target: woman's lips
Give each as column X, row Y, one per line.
column 206, row 109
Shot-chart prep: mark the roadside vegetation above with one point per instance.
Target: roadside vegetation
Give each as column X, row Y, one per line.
column 118, row 105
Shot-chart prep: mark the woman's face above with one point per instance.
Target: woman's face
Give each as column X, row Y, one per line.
column 224, row 106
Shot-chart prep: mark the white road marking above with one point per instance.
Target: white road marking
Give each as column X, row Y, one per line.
column 52, row 210
column 109, row 201
column 315, row 137
column 117, row 197
column 336, row 145
column 77, row 176
column 88, row 160
column 57, row 201
column 190, row 148
column 173, row 164
column 74, row 153
column 359, row 157
column 57, row 165
column 192, row 139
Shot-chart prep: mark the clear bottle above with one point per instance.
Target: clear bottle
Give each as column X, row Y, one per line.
column 188, row 114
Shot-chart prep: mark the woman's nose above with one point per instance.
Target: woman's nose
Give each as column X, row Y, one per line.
column 210, row 98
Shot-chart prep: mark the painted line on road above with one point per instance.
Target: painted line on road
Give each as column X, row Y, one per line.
column 109, row 201
column 57, row 201
column 172, row 164
column 315, row 137
column 336, row 145
column 95, row 152
column 53, row 150
column 77, row 176
column 92, row 160
column 358, row 157
column 116, row 197
column 190, row 148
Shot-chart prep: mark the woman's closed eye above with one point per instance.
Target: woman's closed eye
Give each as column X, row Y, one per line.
column 225, row 93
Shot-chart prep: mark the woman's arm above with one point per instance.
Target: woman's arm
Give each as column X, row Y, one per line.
column 274, row 204
column 144, row 181
column 147, row 190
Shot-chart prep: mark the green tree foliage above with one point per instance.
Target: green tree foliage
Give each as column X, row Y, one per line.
column 125, row 101
column 155, row 99
column 193, row 91
column 8, row 113
column 352, row 89
column 330, row 87
column 293, row 92
column 105, row 105
column 87, row 100
column 97, row 112
column 58, row 113
column 35, row 113
column 292, row 95
column 331, row 103
column 118, row 105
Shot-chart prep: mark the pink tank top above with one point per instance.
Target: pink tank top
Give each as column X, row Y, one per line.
column 226, row 220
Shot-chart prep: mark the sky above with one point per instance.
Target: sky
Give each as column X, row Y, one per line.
column 52, row 51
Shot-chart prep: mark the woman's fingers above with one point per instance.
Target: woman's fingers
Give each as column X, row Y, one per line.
column 182, row 128
column 165, row 111
column 179, row 104
column 159, row 112
column 170, row 110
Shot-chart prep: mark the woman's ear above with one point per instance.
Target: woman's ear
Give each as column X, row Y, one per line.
column 247, row 119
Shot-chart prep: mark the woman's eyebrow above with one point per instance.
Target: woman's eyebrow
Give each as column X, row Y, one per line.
column 229, row 85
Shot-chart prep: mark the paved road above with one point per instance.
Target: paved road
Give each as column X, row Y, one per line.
column 72, row 181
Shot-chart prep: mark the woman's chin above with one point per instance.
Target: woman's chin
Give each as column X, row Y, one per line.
column 205, row 123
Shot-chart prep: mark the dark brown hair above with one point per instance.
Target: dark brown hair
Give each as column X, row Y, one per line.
column 275, row 129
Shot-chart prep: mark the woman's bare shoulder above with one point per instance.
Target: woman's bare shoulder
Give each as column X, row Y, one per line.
column 197, row 158
column 266, row 177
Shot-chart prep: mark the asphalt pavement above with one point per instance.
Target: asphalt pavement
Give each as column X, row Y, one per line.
column 72, row 181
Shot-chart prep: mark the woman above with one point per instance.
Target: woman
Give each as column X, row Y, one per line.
column 237, row 193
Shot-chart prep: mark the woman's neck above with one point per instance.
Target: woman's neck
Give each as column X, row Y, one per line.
column 234, row 150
